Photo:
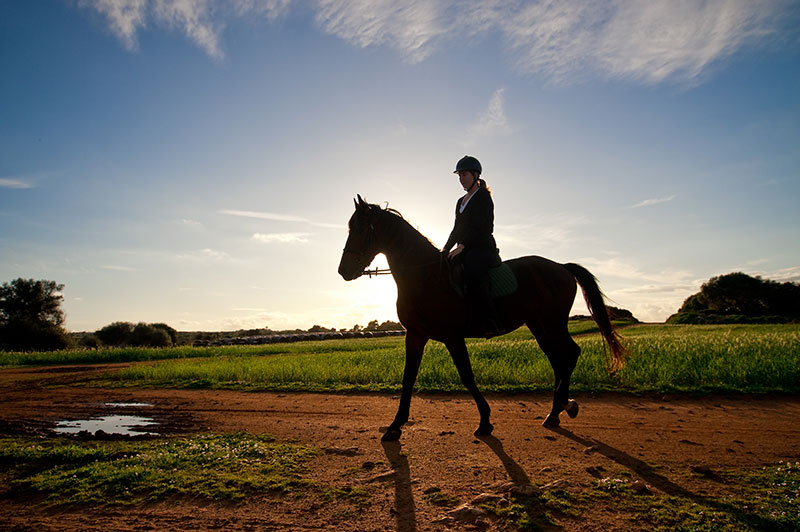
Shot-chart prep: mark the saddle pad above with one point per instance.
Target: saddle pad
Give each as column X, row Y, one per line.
column 503, row 280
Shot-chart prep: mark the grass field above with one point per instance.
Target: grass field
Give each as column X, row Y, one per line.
column 662, row 358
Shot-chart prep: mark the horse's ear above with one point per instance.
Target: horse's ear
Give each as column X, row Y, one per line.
column 360, row 200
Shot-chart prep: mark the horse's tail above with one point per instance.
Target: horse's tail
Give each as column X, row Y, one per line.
column 595, row 300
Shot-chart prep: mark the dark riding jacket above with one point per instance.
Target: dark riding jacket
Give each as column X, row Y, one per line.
column 474, row 226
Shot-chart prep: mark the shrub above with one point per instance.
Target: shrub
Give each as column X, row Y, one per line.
column 173, row 334
column 115, row 334
column 145, row 335
column 90, row 341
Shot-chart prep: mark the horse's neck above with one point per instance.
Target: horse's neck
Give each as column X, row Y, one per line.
column 410, row 255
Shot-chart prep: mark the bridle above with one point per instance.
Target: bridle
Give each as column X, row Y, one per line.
column 362, row 256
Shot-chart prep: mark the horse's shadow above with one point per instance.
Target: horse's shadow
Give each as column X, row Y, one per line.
column 515, row 472
column 662, row 483
column 403, row 496
column 643, row 469
column 405, row 506
column 640, row 467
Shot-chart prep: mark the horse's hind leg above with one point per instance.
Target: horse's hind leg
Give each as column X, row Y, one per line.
column 563, row 354
column 458, row 351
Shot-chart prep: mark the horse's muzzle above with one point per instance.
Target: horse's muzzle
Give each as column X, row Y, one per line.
column 350, row 268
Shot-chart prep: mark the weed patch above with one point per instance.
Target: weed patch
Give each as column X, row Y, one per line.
column 764, row 499
column 210, row 466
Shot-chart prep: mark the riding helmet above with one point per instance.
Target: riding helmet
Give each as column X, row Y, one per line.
column 469, row 163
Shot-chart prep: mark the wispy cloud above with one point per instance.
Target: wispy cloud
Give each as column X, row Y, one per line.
column 117, row 268
column 203, row 255
column 787, row 275
column 284, row 238
column 406, row 25
column 493, row 121
column 272, row 9
column 647, row 41
column 279, row 218
column 124, row 17
column 615, row 266
column 652, row 41
column 193, row 224
column 653, row 201
column 194, row 19
column 791, row 274
column 14, row 183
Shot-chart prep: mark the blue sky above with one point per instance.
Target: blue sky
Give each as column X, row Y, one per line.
column 194, row 162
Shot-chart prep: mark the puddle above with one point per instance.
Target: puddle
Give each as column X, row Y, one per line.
column 118, row 425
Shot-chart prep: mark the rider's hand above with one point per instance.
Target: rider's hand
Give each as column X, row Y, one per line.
column 458, row 249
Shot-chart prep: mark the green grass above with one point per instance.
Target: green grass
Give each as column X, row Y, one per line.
column 144, row 354
column 667, row 358
column 663, row 358
column 211, row 466
column 738, row 358
column 745, row 500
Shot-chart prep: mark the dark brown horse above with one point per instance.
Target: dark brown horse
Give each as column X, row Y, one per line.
column 430, row 308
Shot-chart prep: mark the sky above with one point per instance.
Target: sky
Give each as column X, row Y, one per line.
column 194, row 162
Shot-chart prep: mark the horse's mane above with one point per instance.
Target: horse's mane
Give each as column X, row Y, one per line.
column 398, row 218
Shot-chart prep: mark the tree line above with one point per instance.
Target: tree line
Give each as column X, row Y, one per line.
column 31, row 317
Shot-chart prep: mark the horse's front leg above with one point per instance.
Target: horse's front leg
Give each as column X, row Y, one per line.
column 415, row 345
column 458, row 351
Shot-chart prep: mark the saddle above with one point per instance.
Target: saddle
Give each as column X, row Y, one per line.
column 501, row 278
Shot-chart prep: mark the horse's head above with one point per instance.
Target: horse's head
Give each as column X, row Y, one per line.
column 361, row 246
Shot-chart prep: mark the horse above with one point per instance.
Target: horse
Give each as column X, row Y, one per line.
column 431, row 308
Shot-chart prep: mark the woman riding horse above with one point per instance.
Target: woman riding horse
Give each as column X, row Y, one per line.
column 474, row 242
column 430, row 308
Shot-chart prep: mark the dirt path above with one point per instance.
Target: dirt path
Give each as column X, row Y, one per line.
column 653, row 439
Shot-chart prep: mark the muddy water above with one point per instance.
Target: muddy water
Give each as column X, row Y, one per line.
column 125, row 425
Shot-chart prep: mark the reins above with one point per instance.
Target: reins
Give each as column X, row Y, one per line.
column 387, row 271
column 376, row 271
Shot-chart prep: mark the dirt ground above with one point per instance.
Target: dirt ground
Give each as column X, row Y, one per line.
column 662, row 441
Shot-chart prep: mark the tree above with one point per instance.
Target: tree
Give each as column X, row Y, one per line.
column 738, row 297
column 31, row 315
column 31, row 301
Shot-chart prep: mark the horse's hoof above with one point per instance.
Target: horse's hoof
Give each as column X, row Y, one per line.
column 485, row 429
column 391, row 435
column 572, row 408
column 551, row 421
